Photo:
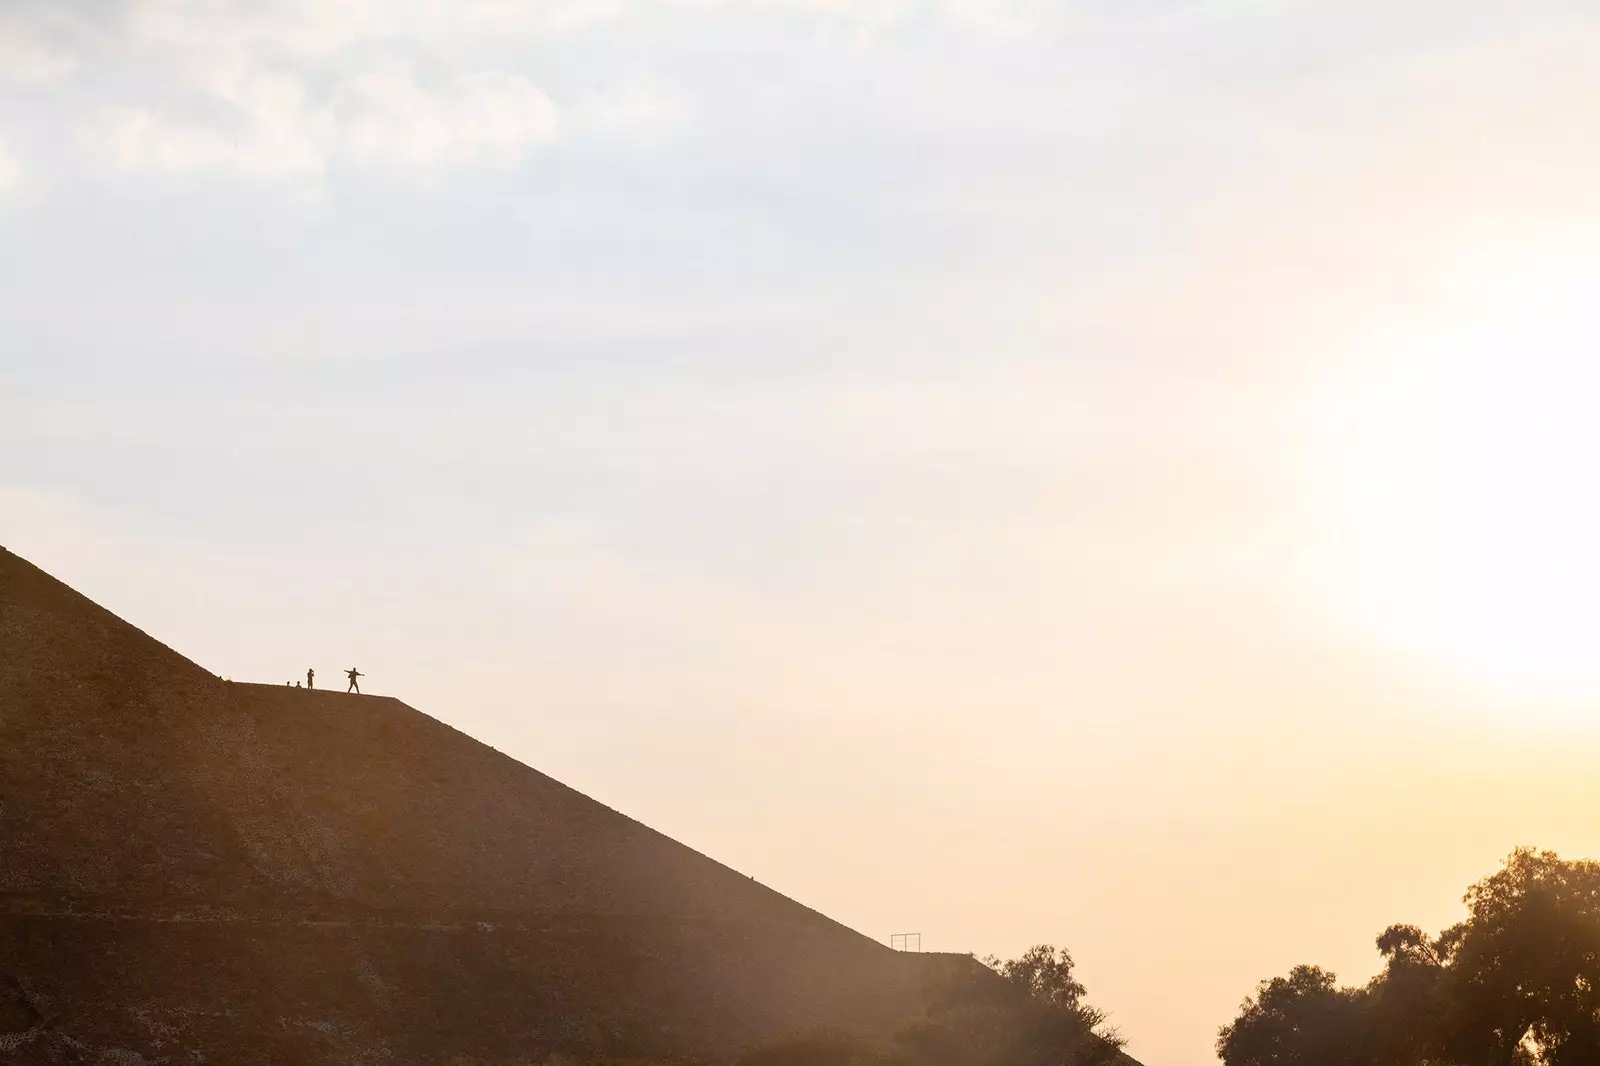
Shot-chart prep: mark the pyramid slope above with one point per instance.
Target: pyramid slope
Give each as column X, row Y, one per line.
column 263, row 795
column 187, row 863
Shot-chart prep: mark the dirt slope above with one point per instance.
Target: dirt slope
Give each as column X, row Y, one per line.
column 193, row 870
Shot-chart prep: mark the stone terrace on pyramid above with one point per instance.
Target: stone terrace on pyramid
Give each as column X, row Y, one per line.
column 193, row 870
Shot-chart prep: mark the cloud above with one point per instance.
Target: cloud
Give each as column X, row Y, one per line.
column 10, row 170
column 241, row 119
column 29, row 51
column 324, row 27
column 633, row 110
column 866, row 12
column 868, row 18
column 1000, row 18
column 385, row 116
column 381, row 117
column 291, row 88
column 562, row 16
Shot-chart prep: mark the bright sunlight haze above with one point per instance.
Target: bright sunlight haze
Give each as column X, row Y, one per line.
column 1114, row 474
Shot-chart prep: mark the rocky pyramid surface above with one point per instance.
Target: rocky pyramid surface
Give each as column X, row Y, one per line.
column 193, row 870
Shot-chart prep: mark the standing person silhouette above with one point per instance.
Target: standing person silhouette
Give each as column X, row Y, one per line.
column 311, row 676
column 352, row 674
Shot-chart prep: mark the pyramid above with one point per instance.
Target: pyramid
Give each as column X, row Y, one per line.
column 195, row 870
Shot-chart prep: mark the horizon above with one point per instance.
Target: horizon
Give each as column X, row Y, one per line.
column 1087, row 473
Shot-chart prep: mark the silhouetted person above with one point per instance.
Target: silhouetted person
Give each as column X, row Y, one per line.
column 310, row 677
column 352, row 674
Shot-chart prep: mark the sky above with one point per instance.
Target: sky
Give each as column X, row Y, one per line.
column 1106, row 472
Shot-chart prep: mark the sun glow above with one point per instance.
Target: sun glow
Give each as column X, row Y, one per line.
column 1465, row 479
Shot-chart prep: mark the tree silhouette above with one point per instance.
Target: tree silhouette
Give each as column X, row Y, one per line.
column 1027, row 1011
column 1515, row 984
column 1035, row 1015
column 1303, row 1019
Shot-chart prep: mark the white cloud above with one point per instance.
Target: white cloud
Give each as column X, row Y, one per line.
column 324, row 27
column 139, row 139
column 563, row 15
column 28, row 51
column 632, row 110
column 10, row 170
column 872, row 12
column 385, row 116
column 1001, row 18
column 259, row 122
column 867, row 18
column 290, row 88
column 381, row 117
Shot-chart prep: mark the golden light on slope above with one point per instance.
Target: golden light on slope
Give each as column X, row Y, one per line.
column 1465, row 484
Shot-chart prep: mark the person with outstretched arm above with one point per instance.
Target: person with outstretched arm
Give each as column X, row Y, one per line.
column 352, row 674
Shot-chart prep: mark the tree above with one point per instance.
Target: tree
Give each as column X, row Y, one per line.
column 1405, row 1002
column 1045, row 975
column 1027, row 1011
column 1304, row 1019
column 1524, row 969
column 1034, row 1014
column 1515, row 984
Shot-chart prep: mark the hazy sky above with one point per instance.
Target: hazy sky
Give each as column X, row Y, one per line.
column 1114, row 472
